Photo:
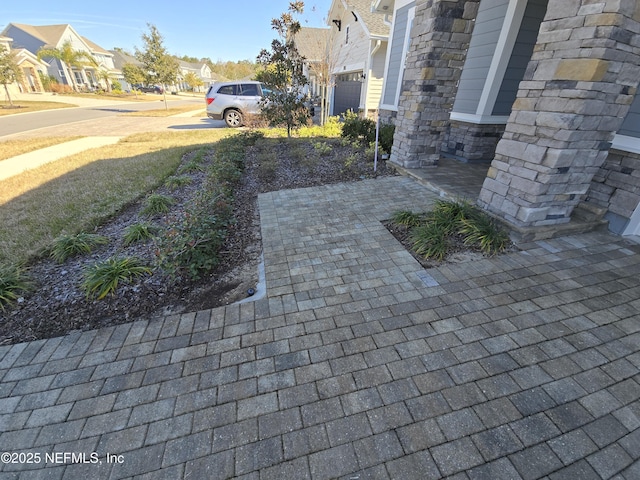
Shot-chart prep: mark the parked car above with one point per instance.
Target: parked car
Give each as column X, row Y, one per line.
column 233, row 101
column 149, row 88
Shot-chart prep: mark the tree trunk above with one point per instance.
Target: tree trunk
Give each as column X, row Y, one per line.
column 6, row 89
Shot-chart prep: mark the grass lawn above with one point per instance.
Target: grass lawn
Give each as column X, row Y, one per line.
column 78, row 192
column 12, row 148
column 22, row 106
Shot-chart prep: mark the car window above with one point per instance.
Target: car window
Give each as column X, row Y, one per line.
column 228, row 90
column 265, row 89
column 249, row 90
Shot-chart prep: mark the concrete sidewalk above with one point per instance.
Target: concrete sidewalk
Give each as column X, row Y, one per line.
column 27, row 161
column 357, row 364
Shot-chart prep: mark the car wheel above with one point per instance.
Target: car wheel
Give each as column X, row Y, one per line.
column 233, row 118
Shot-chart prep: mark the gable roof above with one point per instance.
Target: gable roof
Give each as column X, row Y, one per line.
column 95, row 47
column 50, row 35
column 373, row 23
column 122, row 58
column 312, row 43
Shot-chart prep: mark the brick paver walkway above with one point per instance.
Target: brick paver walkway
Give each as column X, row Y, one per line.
column 357, row 364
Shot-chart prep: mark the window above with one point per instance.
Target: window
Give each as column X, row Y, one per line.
column 249, row 90
column 228, row 90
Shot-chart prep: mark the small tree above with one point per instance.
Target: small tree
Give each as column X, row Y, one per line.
column 106, row 76
column 69, row 58
column 193, row 81
column 282, row 71
column 158, row 67
column 9, row 71
column 133, row 75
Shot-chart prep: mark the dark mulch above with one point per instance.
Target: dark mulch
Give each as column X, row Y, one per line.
column 57, row 305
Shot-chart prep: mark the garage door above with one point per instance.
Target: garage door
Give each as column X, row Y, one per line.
column 347, row 93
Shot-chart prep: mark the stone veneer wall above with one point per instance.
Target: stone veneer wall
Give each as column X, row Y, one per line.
column 616, row 187
column 439, row 41
column 470, row 142
column 578, row 87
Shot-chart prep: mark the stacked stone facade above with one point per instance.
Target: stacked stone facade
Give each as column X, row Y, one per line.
column 577, row 90
column 440, row 38
column 616, row 188
column 470, row 142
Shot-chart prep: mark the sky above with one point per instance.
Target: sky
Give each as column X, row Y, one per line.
column 226, row 30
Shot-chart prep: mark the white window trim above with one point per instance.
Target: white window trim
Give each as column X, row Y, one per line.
column 479, row 119
column 405, row 47
column 626, row 143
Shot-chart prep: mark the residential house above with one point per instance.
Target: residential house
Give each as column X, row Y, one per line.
column 30, row 66
column 33, row 38
column 314, row 45
column 544, row 91
column 120, row 59
column 200, row 69
column 357, row 55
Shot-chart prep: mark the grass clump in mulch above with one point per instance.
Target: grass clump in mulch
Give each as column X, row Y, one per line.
column 451, row 227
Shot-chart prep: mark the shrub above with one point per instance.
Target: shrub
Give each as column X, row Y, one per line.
column 13, row 280
column 358, row 129
column 66, row 246
column 482, row 230
column 156, row 204
column 385, row 137
column 60, row 88
column 139, row 232
column 102, row 278
column 430, row 240
column 407, row 218
column 322, row 148
column 433, row 233
column 191, row 244
column 115, row 86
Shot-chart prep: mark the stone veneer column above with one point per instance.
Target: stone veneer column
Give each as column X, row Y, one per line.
column 579, row 85
column 439, row 42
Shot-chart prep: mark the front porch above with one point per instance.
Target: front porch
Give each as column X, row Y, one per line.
column 453, row 179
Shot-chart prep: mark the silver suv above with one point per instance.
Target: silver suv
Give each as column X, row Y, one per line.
column 232, row 101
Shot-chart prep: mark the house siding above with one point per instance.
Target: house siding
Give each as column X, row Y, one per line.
column 486, row 32
column 522, row 50
column 631, row 124
column 394, row 72
column 376, row 77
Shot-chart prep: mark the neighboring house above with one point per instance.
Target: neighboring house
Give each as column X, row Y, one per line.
column 200, row 70
column 30, row 67
column 544, row 90
column 359, row 48
column 33, row 38
column 314, row 45
column 120, row 59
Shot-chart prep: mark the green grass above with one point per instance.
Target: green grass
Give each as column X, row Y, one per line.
column 22, row 106
column 77, row 193
column 13, row 148
column 66, row 246
column 103, row 278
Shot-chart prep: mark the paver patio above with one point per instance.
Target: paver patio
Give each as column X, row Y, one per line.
column 357, row 364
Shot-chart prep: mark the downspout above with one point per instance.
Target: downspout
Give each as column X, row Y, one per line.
column 371, row 55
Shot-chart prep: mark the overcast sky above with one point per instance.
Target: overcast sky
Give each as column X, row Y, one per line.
column 218, row 29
